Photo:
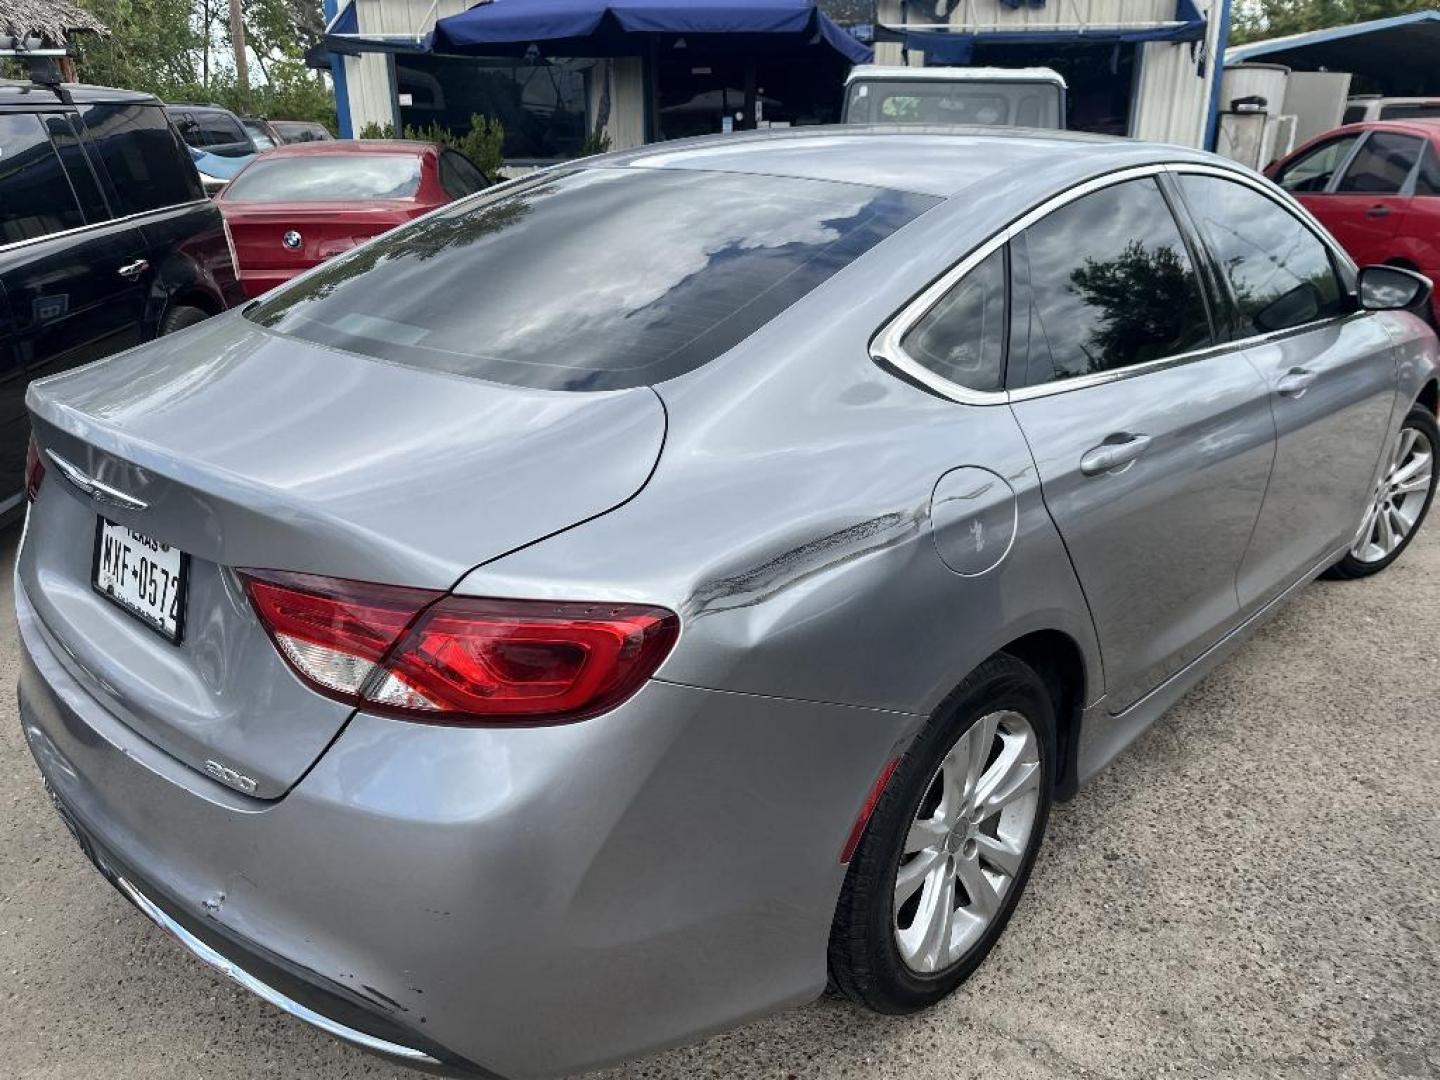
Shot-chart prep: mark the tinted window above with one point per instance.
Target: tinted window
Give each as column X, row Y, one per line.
column 327, row 177
column 1279, row 271
column 77, row 167
column 1427, row 182
column 1313, row 171
column 1383, row 164
column 35, row 196
column 590, row 280
column 148, row 166
column 1353, row 114
column 458, row 176
column 220, row 129
column 1419, row 111
column 962, row 338
column 1111, row 285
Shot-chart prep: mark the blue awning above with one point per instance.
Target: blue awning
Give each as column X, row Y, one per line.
column 958, row 46
column 600, row 28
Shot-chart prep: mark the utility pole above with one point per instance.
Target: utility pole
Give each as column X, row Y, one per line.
column 237, row 38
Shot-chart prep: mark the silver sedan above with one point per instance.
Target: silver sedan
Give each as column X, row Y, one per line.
column 614, row 604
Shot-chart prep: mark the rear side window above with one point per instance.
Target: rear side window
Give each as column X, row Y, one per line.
column 1419, row 111
column 595, row 279
column 962, row 338
column 1111, row 285
column 1353, row 114
column 35, row 197
column 327, row 178
column 1427, row 181
column 1280, row 273
column 1383, row 164
column 1312, row 172
column 148, row 166
column 458, row 176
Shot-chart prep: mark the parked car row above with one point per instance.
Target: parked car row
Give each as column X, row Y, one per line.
column 107, row 238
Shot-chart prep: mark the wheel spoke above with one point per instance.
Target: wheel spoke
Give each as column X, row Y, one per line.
column 982, row 739
column 1000, row 853
column 1416, row 466
column 1387, row 532
column 1418, row 484
column 913, row 874
column 1404, row 445
column 984, row 900
column 937, row 912
column 925, row 833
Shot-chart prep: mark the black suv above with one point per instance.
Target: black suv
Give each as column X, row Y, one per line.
column 106, row 241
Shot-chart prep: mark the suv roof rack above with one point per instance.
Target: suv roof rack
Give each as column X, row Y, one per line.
column 41, row 64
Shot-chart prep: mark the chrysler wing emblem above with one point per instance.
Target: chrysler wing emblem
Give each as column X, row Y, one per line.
column 98, row 491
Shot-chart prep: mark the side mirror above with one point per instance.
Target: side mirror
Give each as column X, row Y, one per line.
column 1391, row 288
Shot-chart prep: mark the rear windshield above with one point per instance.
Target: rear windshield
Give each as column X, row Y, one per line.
column 596, row 279
column 936, row 101
column 328, row 178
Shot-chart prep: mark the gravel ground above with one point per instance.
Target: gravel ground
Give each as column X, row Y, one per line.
column 1253, row 890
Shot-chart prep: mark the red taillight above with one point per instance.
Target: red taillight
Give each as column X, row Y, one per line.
column 34, row 470
column 451, row 659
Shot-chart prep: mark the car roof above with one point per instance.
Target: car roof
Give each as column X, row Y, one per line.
column 18, row 92
column 940, row 161
column 407, row 147
column 1426, row 127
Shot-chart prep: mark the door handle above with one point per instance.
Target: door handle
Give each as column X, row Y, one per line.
column 1378, row 212
column 133, row 270
column 1295, row 382
column 1114, row 454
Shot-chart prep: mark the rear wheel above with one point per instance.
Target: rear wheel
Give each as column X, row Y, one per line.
column 948, row 851
column 1400, row 503
column 180, row 316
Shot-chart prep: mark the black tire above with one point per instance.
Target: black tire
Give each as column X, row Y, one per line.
column 180, row 316
column 864, row 959
column 1421, row 419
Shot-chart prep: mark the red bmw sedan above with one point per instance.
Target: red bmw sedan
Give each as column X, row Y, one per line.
column 1376, row 187
column 298, row 205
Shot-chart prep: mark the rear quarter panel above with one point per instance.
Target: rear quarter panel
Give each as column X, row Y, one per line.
column 192, row 258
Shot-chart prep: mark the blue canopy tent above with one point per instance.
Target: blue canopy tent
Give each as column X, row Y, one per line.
column 945, row 46
column 622, row 27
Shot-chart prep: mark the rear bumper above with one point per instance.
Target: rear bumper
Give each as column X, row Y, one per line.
column 522, row 902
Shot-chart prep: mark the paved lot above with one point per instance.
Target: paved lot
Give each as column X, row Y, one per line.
column 1252, row 891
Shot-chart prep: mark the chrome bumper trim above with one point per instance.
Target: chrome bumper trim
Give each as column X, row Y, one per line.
column 263, row 990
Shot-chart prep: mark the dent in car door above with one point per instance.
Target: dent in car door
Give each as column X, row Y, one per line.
column 1153, row 458
column 1329, row 373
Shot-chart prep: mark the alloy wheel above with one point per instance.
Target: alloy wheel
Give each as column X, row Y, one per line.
column 967, row 842
column 1400, row 499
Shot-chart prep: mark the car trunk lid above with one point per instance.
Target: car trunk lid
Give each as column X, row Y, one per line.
column 320, row 230
column 252, row 450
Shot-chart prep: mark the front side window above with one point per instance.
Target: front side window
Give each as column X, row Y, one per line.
column 218, row 129
column 148, row 166
column 595, row 279
column 1311, row 173
column 35, row 196
column 1280, row 273
column 962, row 338
column 327, row 178
column 1382, row 166
column 1111, row 285
column 1353, row 114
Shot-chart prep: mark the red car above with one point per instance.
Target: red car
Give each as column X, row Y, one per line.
column 300, row 204
column 1376, row 187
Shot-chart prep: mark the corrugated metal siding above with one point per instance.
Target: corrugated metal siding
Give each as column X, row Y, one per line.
column 1171, row 100
column 972, row 14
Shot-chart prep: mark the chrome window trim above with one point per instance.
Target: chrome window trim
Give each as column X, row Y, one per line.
column 17, row 244
column 885, row 346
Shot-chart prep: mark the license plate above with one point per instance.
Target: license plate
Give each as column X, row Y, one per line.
column 143, row 576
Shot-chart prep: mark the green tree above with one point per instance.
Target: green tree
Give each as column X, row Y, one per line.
column 1257, row 20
